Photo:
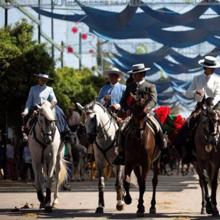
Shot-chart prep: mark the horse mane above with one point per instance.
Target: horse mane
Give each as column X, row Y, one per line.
column 47, row 111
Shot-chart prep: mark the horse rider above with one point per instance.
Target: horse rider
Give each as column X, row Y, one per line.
column 37, row 95
column 206, row 84
column 111, row 93
column 149, row 94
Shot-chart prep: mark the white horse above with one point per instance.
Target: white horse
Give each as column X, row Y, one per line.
column 47, row 155
column 101, row 129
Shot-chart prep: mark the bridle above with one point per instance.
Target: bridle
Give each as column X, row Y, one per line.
column 47, row 132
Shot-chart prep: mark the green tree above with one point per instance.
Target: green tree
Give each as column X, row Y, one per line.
column 20, row 58
column 72, row 85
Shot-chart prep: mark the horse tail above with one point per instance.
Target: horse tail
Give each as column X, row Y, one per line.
column 63, row 172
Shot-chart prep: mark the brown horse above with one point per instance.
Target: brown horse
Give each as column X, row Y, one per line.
column 140, row 150
column 207, row 146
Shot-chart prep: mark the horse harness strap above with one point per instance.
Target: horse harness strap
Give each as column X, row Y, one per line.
column 39, row 142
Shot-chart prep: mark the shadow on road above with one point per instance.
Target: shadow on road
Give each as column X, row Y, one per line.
column 87, row 214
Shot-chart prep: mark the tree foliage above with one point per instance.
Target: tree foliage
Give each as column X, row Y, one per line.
column 20, row 58
column 72, row 85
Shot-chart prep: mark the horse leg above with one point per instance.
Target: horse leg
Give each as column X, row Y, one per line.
column 50, row 172
column 154, row 184
column 60, row 176
column 118, row 188
column 126, row 184
column 56, row 187
column 38, row 176
column 207, row 204
column 101, row 186
column 140, row 173
column 214, row 186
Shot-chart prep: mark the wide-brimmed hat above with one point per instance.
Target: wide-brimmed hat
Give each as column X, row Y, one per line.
column 210, row 62
column 113, row 70
column 42, row 75
column 138, row 68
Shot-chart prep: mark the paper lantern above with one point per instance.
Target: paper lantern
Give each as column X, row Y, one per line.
column 74, row 30
column 84, row 36
column 69, row 49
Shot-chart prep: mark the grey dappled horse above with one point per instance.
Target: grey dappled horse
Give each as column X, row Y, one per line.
column 47, row 155
column 101, row 129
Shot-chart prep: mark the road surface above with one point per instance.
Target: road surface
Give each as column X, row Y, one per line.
column 178, row 198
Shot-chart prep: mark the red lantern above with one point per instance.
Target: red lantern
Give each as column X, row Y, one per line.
column 74, row 30
column 69, row 49
column 84, row 36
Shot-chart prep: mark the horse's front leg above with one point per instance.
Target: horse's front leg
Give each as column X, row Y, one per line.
column 56, row 188
column 50, row 173
column 141, row 173
column 101, row 186
column 126, row 183
column 154, row 184
column 118, row 188
column 38, row 182
column 214, row 185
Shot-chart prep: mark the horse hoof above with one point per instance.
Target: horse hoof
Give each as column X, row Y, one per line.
column 48, row 208
column 152, row 210
column 140, row 214
column 128, row 199
column 215, row 212
column 202, row 211
column 209, row 209
column 42, row 205
column 120, row 207
column 99, row 210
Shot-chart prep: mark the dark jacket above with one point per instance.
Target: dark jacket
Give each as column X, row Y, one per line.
column 146, row 90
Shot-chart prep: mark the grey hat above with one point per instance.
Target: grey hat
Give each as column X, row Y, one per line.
column 113, row 70
column 138, row 68
column 42, row 75
column 210, row 62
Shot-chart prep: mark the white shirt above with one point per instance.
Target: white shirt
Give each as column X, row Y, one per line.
column 38, row 94
column 209, row 84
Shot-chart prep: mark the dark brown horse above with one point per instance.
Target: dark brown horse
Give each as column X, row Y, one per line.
column 207, row 146
column 140, row 150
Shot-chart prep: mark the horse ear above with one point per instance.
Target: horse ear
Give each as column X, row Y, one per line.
column 80, row 106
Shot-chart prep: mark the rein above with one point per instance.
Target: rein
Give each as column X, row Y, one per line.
column 40, row 142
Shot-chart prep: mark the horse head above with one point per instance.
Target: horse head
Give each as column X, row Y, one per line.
column 211, row 123
column 46, row 121
column 90, row 121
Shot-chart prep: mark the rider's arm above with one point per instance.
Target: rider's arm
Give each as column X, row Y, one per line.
column 52, row 98
column 151, row 98
column 217, row 91
column 29, row 102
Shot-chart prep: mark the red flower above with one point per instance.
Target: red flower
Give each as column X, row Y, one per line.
column 84, row 36
column 162, row 112
column 74, row 30
column 69, row 49
column 179, row 122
